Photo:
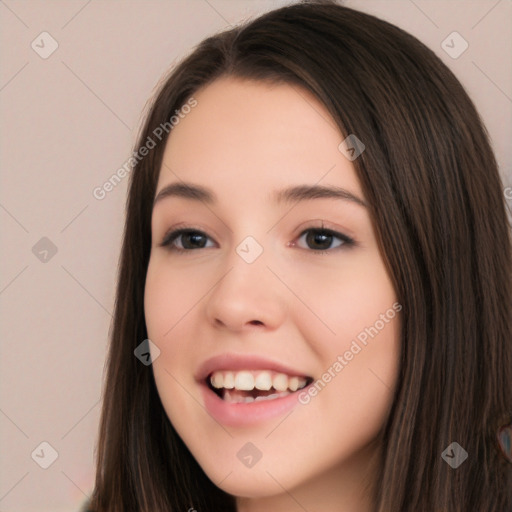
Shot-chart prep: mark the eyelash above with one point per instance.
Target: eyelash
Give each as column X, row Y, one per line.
column 171, row 236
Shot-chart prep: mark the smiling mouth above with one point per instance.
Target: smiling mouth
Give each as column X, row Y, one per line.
column 254, row 385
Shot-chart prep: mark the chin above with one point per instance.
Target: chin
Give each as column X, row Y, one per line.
column 250, row 485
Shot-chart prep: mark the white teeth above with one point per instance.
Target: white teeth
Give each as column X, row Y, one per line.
column 293, row 383
column 229, row 380
column 244, row 381
column 229, row 398
column 236, row 399
column 280, row 382
column 273, row 396
column 217, row 380
column 263, row 380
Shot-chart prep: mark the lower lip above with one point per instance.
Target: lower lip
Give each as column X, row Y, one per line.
column 242, row 414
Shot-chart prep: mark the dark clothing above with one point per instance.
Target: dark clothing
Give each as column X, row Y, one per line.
column 85, row 506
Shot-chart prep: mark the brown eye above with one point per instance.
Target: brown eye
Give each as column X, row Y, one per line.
column 320, row 239
column 190, row 239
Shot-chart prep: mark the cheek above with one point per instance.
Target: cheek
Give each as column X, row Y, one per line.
column 354, row 394
column 170, row 325
column 168, row 303
column 370, row 376
column 361, row 353
column 341, row 302
column 168, row 296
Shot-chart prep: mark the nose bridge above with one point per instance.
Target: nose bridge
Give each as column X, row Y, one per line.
column 249, row 252
column 245, row 293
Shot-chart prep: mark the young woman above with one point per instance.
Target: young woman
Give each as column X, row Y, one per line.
column 317, row 262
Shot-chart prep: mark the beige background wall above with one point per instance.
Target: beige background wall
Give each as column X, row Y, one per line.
column 68, row 123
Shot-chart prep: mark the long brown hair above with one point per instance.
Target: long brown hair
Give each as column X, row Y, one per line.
column 438, row 208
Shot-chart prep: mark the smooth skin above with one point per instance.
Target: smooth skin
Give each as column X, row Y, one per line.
column 245, row 140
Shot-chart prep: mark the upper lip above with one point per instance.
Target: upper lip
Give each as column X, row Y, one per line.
column 236, row 362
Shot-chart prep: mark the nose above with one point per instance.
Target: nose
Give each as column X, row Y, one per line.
column 247, row 296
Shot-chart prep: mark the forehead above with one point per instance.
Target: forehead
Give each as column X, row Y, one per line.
column 255, row 135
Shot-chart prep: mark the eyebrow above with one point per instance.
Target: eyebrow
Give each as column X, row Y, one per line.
column 292, row 194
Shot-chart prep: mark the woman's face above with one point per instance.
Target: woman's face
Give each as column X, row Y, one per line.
column 269, row 289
